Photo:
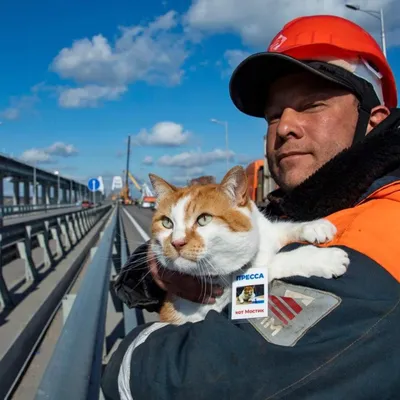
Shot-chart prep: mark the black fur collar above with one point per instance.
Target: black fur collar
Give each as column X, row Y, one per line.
column 341, row 182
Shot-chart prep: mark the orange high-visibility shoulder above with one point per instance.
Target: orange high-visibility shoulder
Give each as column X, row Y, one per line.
column 373, row 228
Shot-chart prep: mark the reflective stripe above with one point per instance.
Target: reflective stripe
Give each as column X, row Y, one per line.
column 125, row 369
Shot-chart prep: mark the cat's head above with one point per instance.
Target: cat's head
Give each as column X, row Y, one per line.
column 248, row 290
column 204, row 229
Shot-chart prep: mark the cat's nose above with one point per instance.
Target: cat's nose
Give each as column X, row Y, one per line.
column 179, row 243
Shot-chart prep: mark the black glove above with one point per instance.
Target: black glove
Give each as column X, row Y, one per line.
column 135, row 285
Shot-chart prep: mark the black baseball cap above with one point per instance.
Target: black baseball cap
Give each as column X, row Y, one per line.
column 252, row 78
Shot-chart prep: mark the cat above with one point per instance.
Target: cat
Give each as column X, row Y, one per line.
column 247, row 294
column 213, row 230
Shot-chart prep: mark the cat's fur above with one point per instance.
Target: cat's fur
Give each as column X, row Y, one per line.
column 233, row 236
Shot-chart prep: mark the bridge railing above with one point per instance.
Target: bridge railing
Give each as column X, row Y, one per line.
column 17, row 241
column 9, row 210
column 75, row 368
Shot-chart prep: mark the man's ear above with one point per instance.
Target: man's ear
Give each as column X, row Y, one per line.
column 378, row 114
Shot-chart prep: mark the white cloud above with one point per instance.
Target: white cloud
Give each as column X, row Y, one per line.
column 257, row 21
column 192, row 159
column 10, row 113
column 47, row 155
column 168, row 134
column 154, row 54
column 61, row 149
column 89, row 95
column 235, row 57
column 36, row 156
column 18, row 105
column 148, row 160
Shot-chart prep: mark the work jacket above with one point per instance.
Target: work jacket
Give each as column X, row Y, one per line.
column 324, row 338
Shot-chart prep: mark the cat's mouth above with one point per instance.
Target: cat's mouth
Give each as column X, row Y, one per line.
column 190, row 267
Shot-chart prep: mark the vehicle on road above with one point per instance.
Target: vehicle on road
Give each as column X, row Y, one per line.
column 87, row 204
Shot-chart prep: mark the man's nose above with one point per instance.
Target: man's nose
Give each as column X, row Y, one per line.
column 289, row 124
column 179, row 243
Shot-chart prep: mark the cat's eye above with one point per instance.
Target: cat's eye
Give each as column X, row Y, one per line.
column 167, row 223
column 204, row 219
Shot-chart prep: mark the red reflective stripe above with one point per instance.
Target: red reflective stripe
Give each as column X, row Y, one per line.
column 295, row 306
column 277, row 314
column 282, row 307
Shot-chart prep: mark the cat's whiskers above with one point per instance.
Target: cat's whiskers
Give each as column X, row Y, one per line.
column 221, row 277
column 203, row 261
column 202, row 281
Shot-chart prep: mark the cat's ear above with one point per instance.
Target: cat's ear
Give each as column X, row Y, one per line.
column 161, row 187
column 234, row 184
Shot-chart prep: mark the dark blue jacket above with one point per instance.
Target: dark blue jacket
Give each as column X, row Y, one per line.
column 327, row 338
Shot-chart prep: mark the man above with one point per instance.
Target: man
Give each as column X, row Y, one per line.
column 333, row 147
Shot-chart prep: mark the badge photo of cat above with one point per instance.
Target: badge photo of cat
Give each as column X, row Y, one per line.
column 247, row 295
column 212, row 230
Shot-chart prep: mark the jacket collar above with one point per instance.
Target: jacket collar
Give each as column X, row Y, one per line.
column 345, row 180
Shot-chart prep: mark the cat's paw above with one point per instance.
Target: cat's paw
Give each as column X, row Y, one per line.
column 318, row 231
column 329, row 262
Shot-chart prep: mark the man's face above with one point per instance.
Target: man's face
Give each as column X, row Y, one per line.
column 309, row 122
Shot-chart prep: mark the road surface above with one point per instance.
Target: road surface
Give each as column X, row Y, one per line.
column 137, row 223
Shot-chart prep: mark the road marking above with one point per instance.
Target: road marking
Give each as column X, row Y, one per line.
column 142, row 233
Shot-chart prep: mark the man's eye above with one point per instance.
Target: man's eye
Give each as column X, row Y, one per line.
column 312, row 106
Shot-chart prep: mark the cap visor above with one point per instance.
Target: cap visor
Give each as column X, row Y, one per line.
column 252, row 78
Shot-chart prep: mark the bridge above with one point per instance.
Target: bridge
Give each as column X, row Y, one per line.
column 59, row 319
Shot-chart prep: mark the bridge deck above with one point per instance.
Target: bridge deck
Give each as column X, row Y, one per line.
column 137, row 224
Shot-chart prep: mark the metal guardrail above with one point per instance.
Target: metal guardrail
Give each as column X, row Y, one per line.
column 74, row 371
column 17, row 352
column 6, row 211
column 18, row 241
column 132, row 317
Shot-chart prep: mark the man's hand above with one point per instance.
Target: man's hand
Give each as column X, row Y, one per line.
column 186, row 286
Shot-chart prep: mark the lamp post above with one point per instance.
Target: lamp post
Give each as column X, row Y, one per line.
column 376, row 14
column 34, row 185
column 58, row 186
column 225, row 124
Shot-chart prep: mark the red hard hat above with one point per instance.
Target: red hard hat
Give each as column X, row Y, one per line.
column 302, row 39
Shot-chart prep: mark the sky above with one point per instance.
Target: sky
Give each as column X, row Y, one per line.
column 78, row 77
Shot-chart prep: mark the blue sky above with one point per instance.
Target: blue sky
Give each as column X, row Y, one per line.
column 78, row 77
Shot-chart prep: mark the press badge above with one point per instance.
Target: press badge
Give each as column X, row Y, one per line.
column 250, row 294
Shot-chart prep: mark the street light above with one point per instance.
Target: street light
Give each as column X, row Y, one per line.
column 376, row 14
column 225, row 124
column 34, row 184
column 58, row 186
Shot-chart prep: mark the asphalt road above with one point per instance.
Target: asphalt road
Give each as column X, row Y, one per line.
column 137, row 223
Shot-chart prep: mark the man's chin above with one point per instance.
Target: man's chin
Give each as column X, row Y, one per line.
column 289, row 180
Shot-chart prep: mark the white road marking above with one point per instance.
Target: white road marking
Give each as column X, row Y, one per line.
column 142, row 233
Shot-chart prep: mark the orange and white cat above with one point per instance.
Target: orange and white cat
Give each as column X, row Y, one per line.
column 213, row 230
column 247, row 294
